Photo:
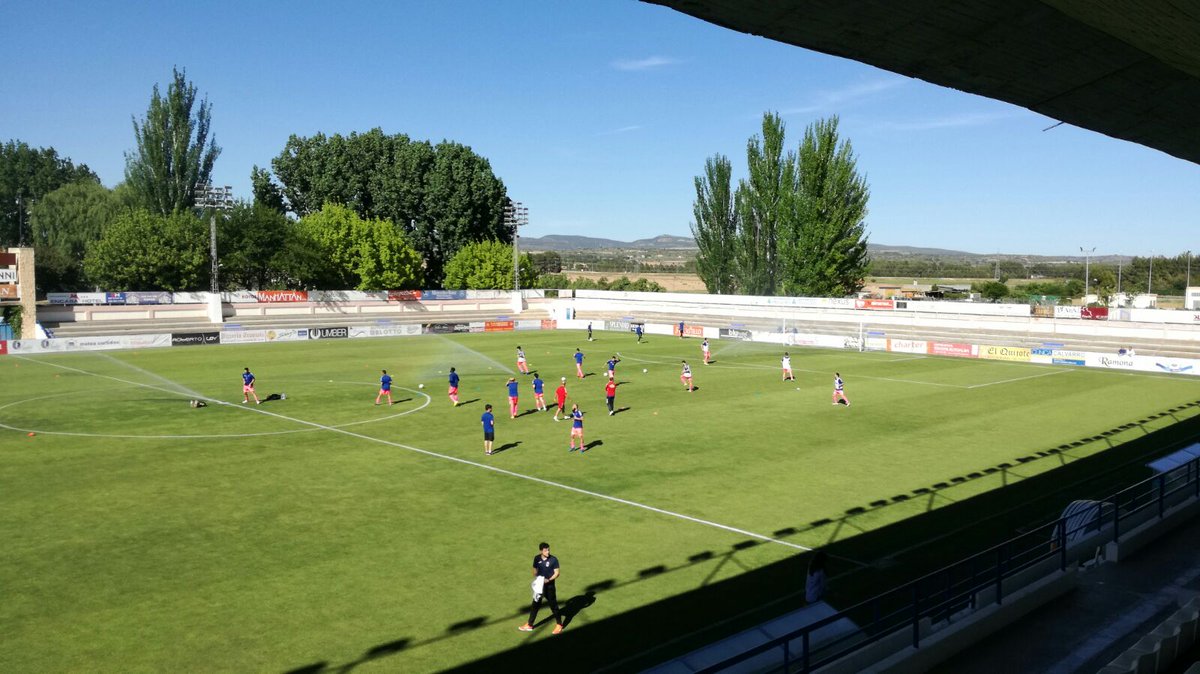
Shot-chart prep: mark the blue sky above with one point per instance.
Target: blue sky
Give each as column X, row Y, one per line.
column 596, row 115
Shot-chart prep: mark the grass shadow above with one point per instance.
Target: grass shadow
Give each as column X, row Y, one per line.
column 506, row 446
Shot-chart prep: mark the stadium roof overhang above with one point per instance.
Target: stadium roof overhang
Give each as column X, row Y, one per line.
column 1127, row 69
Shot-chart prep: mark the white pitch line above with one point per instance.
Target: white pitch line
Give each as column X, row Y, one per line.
column 455, row 459
column 901, row 360
column 1009, row 381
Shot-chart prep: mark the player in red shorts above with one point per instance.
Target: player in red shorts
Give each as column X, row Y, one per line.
column 704, row 348
column 453, row 387
column 787, row 367
column 522, row 367
column 685, row 376
column 560, row 397
column 512, row 397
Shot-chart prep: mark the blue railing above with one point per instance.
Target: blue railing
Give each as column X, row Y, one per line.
column 983, row 577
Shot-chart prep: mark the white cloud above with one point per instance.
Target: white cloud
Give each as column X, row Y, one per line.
column 825, row 100
column 647, row 63
column 623, row 129
column 967, row 119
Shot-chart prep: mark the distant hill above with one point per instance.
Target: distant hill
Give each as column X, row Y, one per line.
column 879, row 251
column 563, row 242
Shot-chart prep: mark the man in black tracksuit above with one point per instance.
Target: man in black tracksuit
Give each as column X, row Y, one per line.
column 546, row 566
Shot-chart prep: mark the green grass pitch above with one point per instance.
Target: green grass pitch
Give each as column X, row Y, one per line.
column 143, row 535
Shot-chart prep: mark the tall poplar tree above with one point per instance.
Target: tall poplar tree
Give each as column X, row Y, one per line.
column 765, row 205
column 715, row 226
column 174, row 153
column 826, row 254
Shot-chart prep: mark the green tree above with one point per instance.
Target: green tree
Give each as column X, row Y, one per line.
column 444, row 197
column 766, row 206
column 26, row 175
column 364, row 254
column 487, row 265
column 825, row 252
column 146, row 251
column 992, row 291
column 548, row 262
column 715, row 226
column 174, row 154
column 63, row 224
column 260, row 247
column 266, row 192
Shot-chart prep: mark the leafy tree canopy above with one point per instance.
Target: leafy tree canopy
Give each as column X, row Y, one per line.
column 364, row 254
column 442, row 196
column 141, row 250
column 174, row 153
column 63, row 224
column 26, row 175
column 487, row 265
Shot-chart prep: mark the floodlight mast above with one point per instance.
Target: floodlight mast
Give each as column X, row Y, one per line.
column 214, row 199
column 1087, row 273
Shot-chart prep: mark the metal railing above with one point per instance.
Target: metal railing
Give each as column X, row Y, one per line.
column 981, row 579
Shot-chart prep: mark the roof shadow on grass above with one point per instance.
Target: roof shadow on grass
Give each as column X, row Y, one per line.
column 860, row 566
column 888, row 556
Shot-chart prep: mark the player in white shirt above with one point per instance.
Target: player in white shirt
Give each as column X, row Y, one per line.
column 685, row 376
column 787, row 367
column 704, row 348
column 522, row 367
column 839, row 393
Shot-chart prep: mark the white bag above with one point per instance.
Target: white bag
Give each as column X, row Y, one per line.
column 537, row 586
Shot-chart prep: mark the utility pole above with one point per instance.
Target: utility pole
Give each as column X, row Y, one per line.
column 1087, row 270
column 1150, row 276
column 214, row 199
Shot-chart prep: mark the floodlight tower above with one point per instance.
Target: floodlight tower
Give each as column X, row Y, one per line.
column 214, row 199
column 1087, row 269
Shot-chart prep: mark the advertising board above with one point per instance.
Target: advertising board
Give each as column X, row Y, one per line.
column 114, row 298
column 404, row 295
column 1010, row 353
column 549, row 324
column 8, row 292
column 870, row 304
column 497, row 326
column 340, row 332
column 442, row 295
column 1094, row 313
column 908, row 346
column 8, row 275
column 734, row 333
column 951, row 349
column 282, row 295
column 404, row 330
column 195, row 338
column 158, row 297
column 3, row 347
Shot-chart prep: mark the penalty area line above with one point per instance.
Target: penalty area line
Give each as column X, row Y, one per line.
column 446, row 457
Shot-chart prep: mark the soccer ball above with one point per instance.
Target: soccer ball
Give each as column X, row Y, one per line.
column 420, row 386
column 644, row 370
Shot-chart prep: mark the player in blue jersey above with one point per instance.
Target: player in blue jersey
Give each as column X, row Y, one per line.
column 579, row 363
column 576, row 427
column 612, row 366
column 248, row 387
column 512, row 397
column 538, row 391
column 385, row 388
column 637, row 330
column 453, row 387
column 489, row 429
column 839, row 392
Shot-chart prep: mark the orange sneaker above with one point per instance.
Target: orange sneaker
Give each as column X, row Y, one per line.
column 557, row 629
column 525, row 628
